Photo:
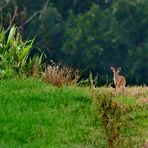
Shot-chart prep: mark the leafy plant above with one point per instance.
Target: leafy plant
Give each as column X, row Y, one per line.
column 90, row 81
column 35, row 66
column 14, row 54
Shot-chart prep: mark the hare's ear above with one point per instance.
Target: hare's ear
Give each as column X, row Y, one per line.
column 112, row 68
column 119, row 69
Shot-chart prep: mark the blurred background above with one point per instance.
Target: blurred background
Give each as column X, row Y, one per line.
column 92, row 35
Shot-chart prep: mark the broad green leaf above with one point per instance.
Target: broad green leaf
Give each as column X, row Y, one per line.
column 11, row 35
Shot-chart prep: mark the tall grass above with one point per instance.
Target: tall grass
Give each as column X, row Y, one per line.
column 61, row 76
column 124, row 116
column 14, row 54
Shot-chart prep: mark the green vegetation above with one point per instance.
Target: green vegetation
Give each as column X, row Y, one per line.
column 124, row 116
column 14, row 55
column 91, row 34
column 34, row 114
column 46, row 103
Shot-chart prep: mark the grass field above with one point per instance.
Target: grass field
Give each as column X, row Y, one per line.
column 34, row 114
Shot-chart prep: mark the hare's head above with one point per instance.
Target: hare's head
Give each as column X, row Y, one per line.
column 116, row 72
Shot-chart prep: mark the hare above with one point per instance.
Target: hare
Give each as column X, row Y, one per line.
column 119, row 80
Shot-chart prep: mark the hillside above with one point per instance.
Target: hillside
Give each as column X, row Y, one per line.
column 35, row 114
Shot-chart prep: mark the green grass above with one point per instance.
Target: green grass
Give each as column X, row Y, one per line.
column 34, row 114
column 124, row 116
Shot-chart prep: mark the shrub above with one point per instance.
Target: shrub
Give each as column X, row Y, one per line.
column 61, row 76
column 14, row 54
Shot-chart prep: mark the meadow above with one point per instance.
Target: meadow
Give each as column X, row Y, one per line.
column 36, row 114
column 48, row 93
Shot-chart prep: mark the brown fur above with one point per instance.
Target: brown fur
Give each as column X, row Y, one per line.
column 119, row 80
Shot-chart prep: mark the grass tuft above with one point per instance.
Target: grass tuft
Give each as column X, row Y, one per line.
column 61, row 76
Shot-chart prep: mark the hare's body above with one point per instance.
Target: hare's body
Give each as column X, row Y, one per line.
column 119, row 80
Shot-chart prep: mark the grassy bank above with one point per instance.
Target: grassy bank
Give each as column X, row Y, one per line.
column 34, row 114
column 124, row 116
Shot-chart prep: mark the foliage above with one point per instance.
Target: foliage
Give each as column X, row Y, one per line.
column 50, row 18
column 90, row 81
column 14, row 54
column 92, row 35
column 100, row 38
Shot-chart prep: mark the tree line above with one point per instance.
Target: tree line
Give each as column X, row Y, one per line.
column 91, row 35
